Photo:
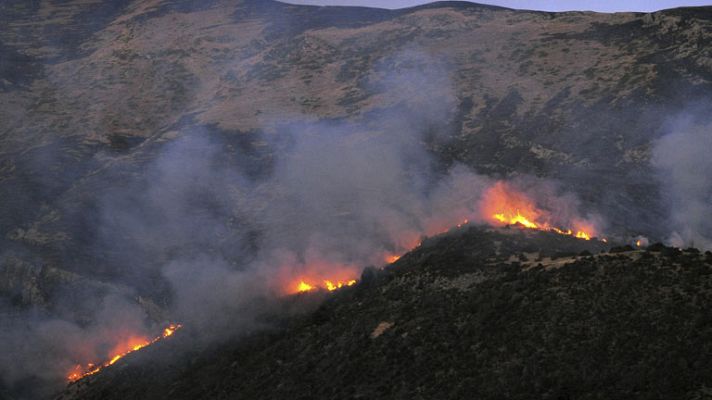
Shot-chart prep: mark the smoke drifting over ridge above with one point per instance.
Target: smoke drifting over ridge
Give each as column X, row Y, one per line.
column 341, row 195
column 216, row 244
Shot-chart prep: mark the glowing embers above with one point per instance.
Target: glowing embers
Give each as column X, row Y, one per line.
column 128, row 346
column 503, row 205
column 306, row 285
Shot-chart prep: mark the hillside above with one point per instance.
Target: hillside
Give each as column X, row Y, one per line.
column 460, row 318
column 91, row 94
column 178, row 160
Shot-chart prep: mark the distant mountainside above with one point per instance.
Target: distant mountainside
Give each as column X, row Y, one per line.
column 108, row 109
column 91, row 92
column 475, row 314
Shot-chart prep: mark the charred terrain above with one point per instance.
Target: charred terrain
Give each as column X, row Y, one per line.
column 200, row 162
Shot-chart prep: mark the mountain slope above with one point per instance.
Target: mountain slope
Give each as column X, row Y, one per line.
column 91, row 93
column 132, row 134
column 459, row 318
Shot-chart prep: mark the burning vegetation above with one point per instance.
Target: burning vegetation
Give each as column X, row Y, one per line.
column 304, row 286
column 504, row 205
column 122, row 349
column 501, row 204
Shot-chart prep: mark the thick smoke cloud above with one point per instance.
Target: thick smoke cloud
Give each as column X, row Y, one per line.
column 684, row 168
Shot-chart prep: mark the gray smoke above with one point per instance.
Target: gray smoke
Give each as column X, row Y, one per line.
column 39, row 350
column 194, row 226
column 340, row 195
column 191, row 224
column 684, row 167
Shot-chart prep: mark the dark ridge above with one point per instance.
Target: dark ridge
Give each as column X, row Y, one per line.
column 460, row 5
column 702, row 12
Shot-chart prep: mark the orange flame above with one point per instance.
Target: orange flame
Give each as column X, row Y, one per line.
column 503, row 205
column 303, row 285
column 120, row 351
column 331, row 286
column 390, row 259
column 515, row 219
column 583, row 235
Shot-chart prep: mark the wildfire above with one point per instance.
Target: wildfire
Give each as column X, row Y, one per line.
column 515, row 219
column 331, row 286
column 583, row 235
column 503, row 205
column 641, row 241
column 131, row 345
column 390, row 259
column 304, row 286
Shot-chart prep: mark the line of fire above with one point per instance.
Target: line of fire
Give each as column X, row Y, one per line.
column 501, row 205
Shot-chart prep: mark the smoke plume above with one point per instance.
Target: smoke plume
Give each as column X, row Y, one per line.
column 197, row 228
column 683, row 164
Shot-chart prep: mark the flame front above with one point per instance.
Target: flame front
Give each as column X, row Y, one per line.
column 503, row 205
column 131, row 345
column 331, row 286
column 304, row 285
column 515, row 219
column 500, row 205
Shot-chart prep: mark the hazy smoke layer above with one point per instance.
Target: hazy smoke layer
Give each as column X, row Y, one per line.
column 684, row 168
column 340, row 195
column 215, row 242
column 39, row 350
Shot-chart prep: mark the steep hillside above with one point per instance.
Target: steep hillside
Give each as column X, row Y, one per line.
column 460, row 318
